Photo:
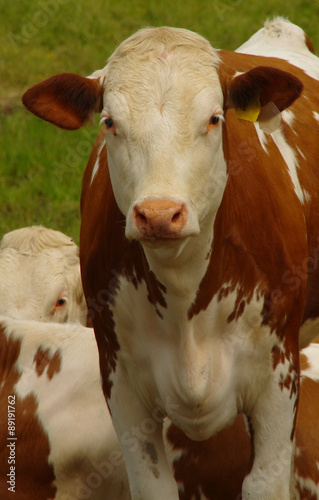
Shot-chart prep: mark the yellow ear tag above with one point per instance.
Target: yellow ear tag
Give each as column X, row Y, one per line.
column 252, row 111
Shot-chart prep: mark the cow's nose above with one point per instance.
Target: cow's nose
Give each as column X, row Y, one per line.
column 160, row 218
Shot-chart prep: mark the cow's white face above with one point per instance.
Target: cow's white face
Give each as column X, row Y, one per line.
column 163, row 113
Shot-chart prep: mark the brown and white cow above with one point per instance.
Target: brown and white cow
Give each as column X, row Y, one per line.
column 40, row 276
column 199, row 242
column 57, row 439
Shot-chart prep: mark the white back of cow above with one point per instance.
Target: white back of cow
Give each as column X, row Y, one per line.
column 280, row 38
column 51, row 373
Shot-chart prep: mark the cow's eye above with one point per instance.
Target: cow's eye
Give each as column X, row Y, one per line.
column 61, row 301
column 214, row 120
column 108, row 122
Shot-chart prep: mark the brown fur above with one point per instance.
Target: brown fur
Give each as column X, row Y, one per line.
column 34, row 476
column 79, row 98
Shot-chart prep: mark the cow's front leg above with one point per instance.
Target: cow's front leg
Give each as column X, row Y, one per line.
column 139, row 430
column 272, row 419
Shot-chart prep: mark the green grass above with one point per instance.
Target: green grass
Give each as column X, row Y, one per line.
column 41, row 166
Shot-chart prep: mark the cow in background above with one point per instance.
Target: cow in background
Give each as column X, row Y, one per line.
column 59, row 440
column 40, row 276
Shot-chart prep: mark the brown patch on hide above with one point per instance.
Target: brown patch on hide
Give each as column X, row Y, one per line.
column 217, row 466
column 307, row 438
column 43, row 359
column 29, row 448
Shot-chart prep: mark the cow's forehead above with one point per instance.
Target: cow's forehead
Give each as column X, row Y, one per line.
column 152, row 43
column 160, row 60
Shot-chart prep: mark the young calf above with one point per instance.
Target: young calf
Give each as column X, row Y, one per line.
column 40, row 276
column 58, row 440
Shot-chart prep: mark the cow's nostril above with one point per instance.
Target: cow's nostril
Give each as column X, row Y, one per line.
column 141, row 218
column 176, row 216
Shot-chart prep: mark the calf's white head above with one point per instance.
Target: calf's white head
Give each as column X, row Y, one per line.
column 40, row 276
column 162, row 98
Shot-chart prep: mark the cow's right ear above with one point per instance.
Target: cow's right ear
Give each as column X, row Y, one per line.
column 67, row 100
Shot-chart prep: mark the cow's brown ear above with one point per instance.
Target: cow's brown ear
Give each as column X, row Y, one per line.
column 263, row 85
column 67, row 100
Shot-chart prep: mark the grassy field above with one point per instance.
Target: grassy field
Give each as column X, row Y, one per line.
column 41, row 166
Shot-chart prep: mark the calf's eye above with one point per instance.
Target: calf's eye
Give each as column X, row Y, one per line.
column 61, row 302
column 109, row 122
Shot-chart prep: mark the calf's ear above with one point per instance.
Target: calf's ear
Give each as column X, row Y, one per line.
column 261, row 94
column 66, row 100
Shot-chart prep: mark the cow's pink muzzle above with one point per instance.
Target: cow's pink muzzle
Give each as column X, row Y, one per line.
column 158, row 219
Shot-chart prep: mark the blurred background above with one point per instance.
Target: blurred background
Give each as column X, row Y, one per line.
column 41, row 166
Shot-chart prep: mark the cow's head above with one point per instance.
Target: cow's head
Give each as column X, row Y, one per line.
column 162, row 98
column 40, row 276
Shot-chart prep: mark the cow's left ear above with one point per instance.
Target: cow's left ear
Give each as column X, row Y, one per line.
column 261, row 92
column 67, row 100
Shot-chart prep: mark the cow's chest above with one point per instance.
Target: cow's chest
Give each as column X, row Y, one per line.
column 201, row 371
